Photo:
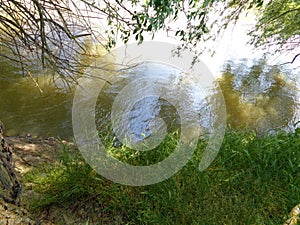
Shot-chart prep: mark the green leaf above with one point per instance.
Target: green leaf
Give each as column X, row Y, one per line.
column 149, row 28
column 135, row 30
column 141, row 39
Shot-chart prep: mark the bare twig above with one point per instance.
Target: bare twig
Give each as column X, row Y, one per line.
column 295, row 57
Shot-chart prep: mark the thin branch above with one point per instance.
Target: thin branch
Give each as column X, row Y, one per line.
column 296, row 56
column 284, row 13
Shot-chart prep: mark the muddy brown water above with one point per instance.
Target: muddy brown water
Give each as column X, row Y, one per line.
column 24, row 109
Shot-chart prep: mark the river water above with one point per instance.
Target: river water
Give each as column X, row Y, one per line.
column 24, row 109
column 47, row 110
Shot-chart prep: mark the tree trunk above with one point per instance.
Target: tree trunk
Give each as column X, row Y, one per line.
column 10, row 187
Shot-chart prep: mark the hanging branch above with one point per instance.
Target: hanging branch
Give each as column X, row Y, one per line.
column 291, row 62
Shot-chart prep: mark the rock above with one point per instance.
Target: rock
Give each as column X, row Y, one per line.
column 294, row 216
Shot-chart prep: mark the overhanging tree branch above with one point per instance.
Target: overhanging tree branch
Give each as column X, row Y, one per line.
column 291, row 62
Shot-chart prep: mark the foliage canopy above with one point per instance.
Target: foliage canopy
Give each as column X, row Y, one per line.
column 278, row 26
column 55, row 32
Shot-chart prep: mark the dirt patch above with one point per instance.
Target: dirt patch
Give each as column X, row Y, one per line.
column 11, row 214
column 33, row 152
column 28, row 153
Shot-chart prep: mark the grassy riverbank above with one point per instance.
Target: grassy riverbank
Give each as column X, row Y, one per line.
column 253, row 180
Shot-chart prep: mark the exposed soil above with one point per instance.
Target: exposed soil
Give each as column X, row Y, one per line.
column 28, row 153
column 31, row 152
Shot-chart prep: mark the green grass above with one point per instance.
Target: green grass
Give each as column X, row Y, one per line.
column 253, row 180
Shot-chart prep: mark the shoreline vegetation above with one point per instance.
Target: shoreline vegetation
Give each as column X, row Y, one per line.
column 253, row 180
